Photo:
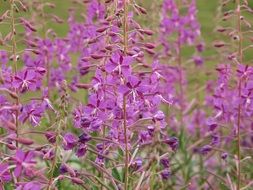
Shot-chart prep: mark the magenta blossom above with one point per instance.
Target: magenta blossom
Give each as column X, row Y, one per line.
column 5, row 175
column 25, row 80
column 24, row 162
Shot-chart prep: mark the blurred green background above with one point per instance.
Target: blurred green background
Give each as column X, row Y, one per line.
column 206, row 14
column 207, row 11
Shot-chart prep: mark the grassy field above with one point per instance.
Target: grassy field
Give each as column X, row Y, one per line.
column 207, row 15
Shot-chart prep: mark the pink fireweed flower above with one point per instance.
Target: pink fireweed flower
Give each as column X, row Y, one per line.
column 24, row 162
column 5, row 175
column 25, row 80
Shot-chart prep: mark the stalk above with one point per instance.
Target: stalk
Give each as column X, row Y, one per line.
column 61, row 122
column 238, row 11
column 14, row 54
column 179, row 64
column 43, row 29
column 46, row 58
column 53, row 164
column 125, row 30
column 181, row 90
column 239, row 140
column 102, row 173
column 48, row 76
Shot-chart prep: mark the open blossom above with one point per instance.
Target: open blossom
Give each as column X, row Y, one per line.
column 24, row 162
column 118, row 63
column 5, row 175
column 25, row 80
column 96, row 10
column 33, row 185
column 32, row 112
column 70, row 141
column 3, row 57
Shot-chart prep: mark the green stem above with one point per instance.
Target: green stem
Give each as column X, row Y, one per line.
column 51, row 173
column 240, row 54
column 14, row 54
column 181, row 90
column 124, row 98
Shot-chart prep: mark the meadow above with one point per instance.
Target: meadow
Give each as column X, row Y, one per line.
column 126, row 94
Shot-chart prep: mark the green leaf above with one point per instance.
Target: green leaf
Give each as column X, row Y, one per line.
column 116, row 174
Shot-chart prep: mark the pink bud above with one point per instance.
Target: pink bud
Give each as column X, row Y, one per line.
column 148, row 32
column 11, row 146
column 77, row 180
column 85, row 59
column 24, row 141
column 102, row 29
column 142, row 10
column 149, row 45
column 108, row 47
column 96, row 56
column 10, row 125
column 83, row 86
column 219, row 44
column 57, row 19
column 91, row 41
column 110, row 18
column 149, row 51
column 221, row 29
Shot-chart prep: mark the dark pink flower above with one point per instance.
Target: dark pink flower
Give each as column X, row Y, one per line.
column 70, row 141
column 24, row 162
column 25, row 80
column 5, row 175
